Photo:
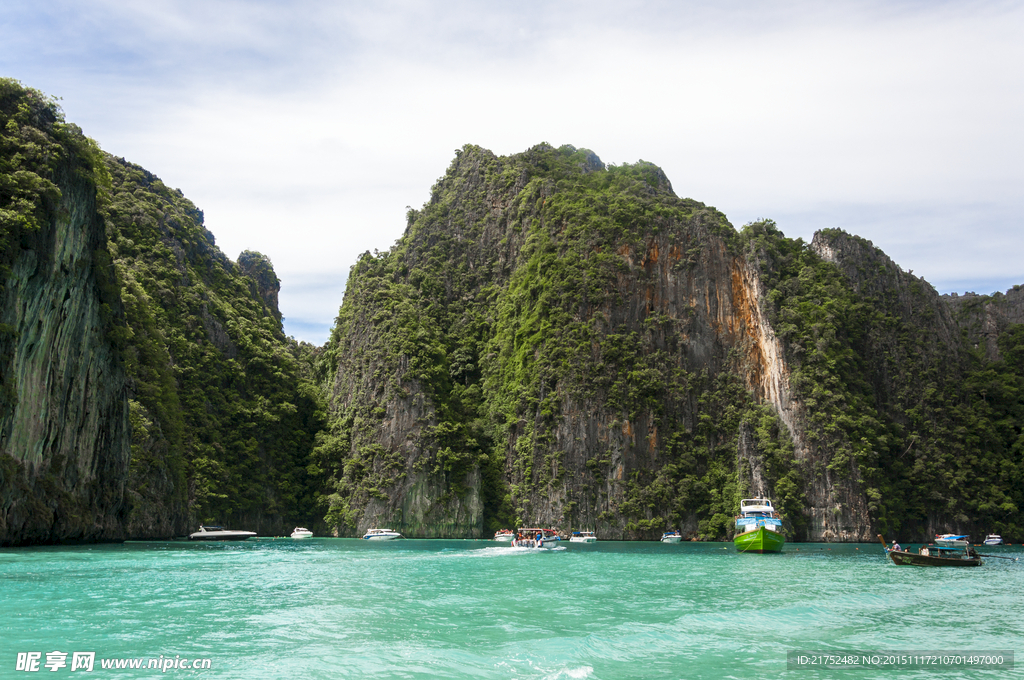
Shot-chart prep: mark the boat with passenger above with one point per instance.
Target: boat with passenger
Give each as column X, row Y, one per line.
column 952, row 540
column 302, row 532
column 758, row 527
column 381, row 535
column 504, row 535
column 211, row 533
column 671, row 536
column 993, row 539
column 583, row 537
column 533, row 537
column 929, row 556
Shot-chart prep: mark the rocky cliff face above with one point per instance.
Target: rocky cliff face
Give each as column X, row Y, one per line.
column 223, row 420
column 552, row 341
column 64, row 436
column 145, row 381
column 267, row 286
column 547, row 356
column 983, row 318
column 556, row 342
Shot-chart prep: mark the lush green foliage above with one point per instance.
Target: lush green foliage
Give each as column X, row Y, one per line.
column 512, row 307
column 929, row 429
column 36, row 145
column 221, row 409
column 503, row 319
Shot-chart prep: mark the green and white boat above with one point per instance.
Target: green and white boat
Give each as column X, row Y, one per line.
column 758, row 527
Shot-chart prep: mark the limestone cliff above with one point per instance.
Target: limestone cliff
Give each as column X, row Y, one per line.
column 266, row 284
column 146, row 384
column 546, row 353
column 552, row 341
column 983, row 318
column 222, row 418
column 558, row 342
column 64, row 436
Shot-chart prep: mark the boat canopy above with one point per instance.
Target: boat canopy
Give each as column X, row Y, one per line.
column 756, row 505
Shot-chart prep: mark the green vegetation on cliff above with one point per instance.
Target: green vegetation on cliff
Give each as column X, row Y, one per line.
column 930, row 428
column 63, row 416
column 553, row 341
column 36, row 144
column 529, row 324
column 507, row 304
column 223, row 420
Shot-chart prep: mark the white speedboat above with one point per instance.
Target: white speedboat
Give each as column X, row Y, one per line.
column 952, row 540
column 583, row 537
column 993, row 539
column 381, row 535
column 671, row 537
column 302, row 532
column 219, row 534
column 505, row 536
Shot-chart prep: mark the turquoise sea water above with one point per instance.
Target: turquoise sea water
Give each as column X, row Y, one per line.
column 337, row 608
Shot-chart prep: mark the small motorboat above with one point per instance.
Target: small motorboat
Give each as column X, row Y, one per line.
column 505, row 536
column 219, row 534
column 671, row 536
column 302, row 532
column 583, row 537
column 381, row 535
column 993, row 539
column 952, row 540
column 536, row 538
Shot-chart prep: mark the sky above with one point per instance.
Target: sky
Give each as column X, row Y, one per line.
column 304, row 129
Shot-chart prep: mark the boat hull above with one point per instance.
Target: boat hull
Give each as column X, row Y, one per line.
column 546, row 544
column 917, row 560
column 222, row 536
column 505, row 538
column 671, row 539
column 583, row 539
column 761, row 540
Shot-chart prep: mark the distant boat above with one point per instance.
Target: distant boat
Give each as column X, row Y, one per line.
column 952, row 540
column 993, row 539
column 934, row 557
column 505, row 535
column 219, row 534
column 381, row 535
column 758, row 527
column 583, row 537
column 302, row 532
column 671, row 537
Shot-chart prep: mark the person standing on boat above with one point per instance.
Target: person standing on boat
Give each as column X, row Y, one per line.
column 896, row 546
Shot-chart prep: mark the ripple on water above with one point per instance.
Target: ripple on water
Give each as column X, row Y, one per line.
column 347, row 608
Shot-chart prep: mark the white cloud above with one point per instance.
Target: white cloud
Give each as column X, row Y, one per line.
column 304, row 129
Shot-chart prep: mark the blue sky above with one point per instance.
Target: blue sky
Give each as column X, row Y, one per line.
column 304, row 129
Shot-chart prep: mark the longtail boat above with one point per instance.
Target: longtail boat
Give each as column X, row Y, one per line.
column 933, row 556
